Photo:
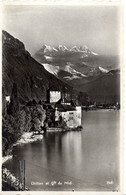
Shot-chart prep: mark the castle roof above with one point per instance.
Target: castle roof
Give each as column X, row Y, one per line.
column 54, row 88
column 64, row 105
column 63, row 101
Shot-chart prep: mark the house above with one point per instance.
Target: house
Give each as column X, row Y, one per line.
column 8, row 98
column 69, row 112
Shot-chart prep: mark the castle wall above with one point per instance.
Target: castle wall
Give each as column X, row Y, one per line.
column 72, row 118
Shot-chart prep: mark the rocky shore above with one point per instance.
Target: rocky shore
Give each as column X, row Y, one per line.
column 29, row 137
column 7, row 176
column 5, row 158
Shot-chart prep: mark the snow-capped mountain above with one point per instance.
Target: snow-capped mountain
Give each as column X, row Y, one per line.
column 63, row 51
column 75, row 49
column 68, row 73
column 76, row 65
column 48, row 58
column 62, row 48
column 72, row 71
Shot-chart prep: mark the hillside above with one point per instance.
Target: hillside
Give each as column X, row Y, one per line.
column 104, row 89
column 31, row 77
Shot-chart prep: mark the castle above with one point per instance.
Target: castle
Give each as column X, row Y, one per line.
column 59, row 108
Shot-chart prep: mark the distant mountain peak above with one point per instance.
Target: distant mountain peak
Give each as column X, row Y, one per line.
column 85, row 48
column 75, row 48
column 65, row 48
column 62, row 49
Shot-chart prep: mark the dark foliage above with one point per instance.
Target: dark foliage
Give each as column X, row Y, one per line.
column 22, row 121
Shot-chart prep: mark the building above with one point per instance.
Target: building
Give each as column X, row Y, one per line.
column 68, row 112
column 8, row 99
column 60, row 111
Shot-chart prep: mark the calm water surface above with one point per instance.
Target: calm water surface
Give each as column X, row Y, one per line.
column 85, row 160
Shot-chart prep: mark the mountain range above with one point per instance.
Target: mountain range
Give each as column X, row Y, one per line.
column 81, row 68
column 63, row 52
column 95, row 75
column 61, row 49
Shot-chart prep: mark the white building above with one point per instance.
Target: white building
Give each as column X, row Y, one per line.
column 70, row 113
column 8, row 98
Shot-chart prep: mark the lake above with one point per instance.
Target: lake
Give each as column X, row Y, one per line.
column 74, row 161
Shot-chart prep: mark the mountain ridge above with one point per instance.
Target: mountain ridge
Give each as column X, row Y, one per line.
column 96, row 69
column 47, row 48
column 49, row 54
column 31, row 77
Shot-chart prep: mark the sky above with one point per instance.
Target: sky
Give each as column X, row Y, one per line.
column 98, row 27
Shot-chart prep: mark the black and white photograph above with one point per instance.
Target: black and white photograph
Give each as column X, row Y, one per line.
column 61, row 98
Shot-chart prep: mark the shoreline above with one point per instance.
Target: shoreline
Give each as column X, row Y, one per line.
column 25, row 139
column 6, row 158
column 100, row 109
column 28, row 137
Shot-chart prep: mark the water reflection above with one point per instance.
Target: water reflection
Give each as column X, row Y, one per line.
column 88, row 158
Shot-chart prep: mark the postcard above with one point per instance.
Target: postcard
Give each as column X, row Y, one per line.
column 62, row 97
